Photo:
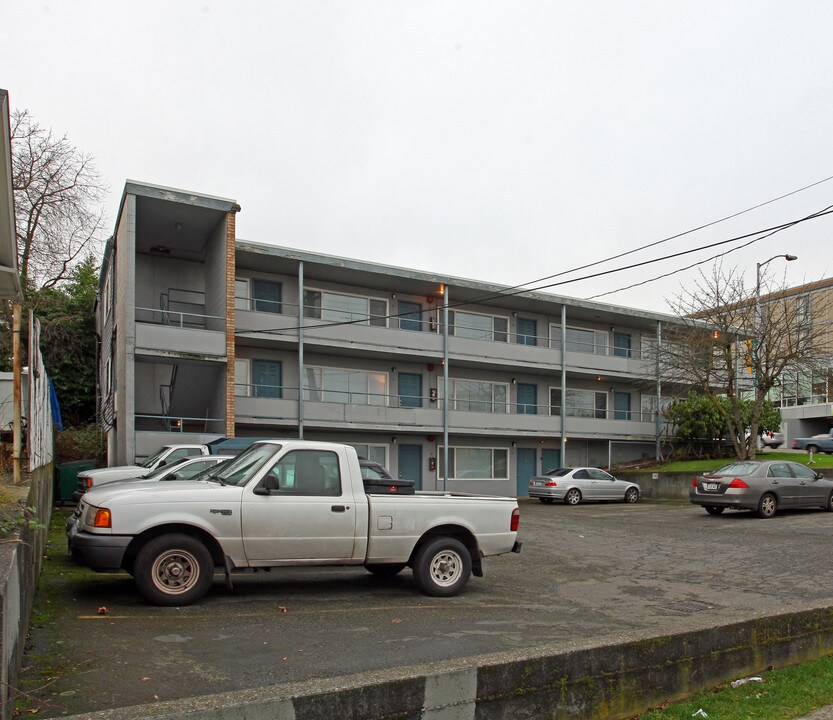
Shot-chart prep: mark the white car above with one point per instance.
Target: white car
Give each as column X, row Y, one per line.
column 583, row 484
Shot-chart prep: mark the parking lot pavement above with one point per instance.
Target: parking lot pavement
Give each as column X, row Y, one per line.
column 586, row 572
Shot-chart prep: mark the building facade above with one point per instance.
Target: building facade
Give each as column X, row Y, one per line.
column 205, row 335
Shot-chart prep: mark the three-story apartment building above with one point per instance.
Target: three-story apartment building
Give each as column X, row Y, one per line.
column 205, row 335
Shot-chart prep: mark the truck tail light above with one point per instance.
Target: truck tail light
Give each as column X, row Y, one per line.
column 516, row 520
column 102, row 519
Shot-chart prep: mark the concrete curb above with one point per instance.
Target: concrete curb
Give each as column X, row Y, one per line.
column 578, row 680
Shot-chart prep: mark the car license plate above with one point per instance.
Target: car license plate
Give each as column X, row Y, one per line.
column 711, row 486
column 539, row 483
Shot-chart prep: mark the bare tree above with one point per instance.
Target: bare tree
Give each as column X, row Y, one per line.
column 728, row 344
column 58, row 196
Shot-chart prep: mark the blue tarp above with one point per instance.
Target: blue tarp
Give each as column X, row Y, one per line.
column 57, row 423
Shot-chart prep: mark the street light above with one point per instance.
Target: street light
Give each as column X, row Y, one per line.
column 788, row 258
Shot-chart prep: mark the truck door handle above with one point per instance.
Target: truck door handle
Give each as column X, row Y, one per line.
column 338, row 508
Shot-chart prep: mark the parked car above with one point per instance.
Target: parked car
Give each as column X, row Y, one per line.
column 182, row 469
column 584, row 484
column 762, row 486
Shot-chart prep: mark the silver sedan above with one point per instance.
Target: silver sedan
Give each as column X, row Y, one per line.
column 584, row 484
column 763, row 487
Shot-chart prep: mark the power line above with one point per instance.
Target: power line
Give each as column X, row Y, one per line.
column 514, row 291
column 714, row 257
column 669, row 238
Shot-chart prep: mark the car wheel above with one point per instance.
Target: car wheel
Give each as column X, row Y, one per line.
column 547, row 501
column 812, row 448
column 385, row 570
column 714, row 509
column 767, row 506
column 573, row 497
column 442, row 567
column 829, row 505
column 631, row 495
column 173, row 570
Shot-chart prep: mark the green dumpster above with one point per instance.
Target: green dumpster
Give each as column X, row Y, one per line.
column 66, row 478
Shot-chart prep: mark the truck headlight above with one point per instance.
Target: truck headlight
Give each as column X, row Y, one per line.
column 103, row 519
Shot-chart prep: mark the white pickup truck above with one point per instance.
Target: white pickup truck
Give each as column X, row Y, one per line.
column 166, row 455
column 283, row 503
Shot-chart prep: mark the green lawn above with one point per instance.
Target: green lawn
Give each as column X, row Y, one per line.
column 820, row 461
column 781, row 695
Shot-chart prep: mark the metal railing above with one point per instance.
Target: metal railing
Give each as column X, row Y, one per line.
column 492, row 407
column 160, row 316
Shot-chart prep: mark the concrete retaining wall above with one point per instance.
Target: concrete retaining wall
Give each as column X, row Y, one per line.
column 669, row 486
column 20, row 566
column 578, row 682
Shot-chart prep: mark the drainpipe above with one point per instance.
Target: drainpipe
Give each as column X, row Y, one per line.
column 445, row 389
column 17, row 396
column 659, row 390
column 563, row 386
column 301, row 350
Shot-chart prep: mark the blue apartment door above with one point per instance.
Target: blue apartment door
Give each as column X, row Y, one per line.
column 621, row 406
column 622, row 344
column 526, row 469
column 527, row 331
column 410, row 316
column 550, row 459
column 527, row 399
column 410, row 390
column 266, row 378
column 410, row 464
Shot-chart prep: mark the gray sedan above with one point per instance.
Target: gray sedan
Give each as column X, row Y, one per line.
column 763, row 487
column 584, row 484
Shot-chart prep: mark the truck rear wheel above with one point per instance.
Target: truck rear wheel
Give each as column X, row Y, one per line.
column 173, row 570
column 442, row 567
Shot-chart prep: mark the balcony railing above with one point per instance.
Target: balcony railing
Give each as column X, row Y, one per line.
column 361, row 397
column 178, row 423
column 159, row 316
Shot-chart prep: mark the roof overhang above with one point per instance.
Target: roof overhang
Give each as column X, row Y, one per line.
column 9, row 275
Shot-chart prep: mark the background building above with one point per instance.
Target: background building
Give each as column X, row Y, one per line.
column 203, row 335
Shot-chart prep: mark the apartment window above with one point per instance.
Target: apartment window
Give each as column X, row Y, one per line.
column 376, row 453
column 335, row 307
column 527, row 331
column 580, row 403
column 266, row 378
column 241, row 294
column 241, row 378
column 478, row 327
column 338, row 385
column 477, row 396
column 266, row 296
column 476, row 463
column 580, row 340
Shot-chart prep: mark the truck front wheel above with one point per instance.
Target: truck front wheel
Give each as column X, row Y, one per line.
column 442, row 567
column 173, row 570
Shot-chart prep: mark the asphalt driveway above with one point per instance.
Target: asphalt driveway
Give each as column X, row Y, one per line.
column 591, row 571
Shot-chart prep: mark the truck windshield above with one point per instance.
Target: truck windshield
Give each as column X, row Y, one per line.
column 245, row 466
column 153, row 458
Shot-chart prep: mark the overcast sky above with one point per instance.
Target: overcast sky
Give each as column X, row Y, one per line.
column 499, row 141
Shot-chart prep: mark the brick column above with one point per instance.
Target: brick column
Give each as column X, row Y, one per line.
column 230, row 348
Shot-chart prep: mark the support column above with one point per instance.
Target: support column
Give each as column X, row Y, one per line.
column 657, row 424
column 301, row 350
column 231, row 272
column 563, row 386
column 445, row 388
